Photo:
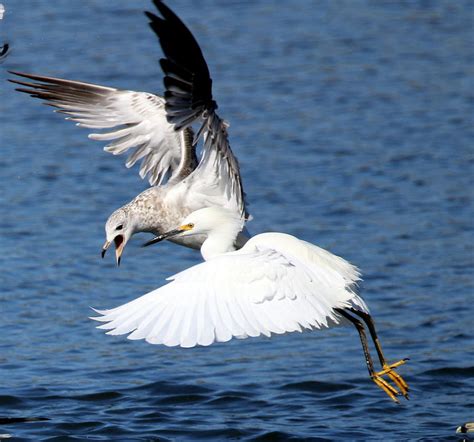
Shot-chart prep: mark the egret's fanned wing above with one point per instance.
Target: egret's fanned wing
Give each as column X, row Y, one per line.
column 188, row 96
column 334, row 272
column 138, row 120
column 239, row 294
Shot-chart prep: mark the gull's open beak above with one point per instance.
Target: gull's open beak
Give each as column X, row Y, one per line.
column 167, row 235
column 119, row 245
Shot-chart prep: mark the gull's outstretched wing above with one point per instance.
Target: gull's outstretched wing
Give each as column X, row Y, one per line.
column 132, row 120
column 188, row 95
column 240, row 294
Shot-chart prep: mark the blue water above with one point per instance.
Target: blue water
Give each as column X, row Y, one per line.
column 352, row 121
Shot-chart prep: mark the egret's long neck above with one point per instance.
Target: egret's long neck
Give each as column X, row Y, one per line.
column 220, row 240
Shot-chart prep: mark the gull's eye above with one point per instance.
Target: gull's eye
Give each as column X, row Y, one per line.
column 119, row 227
column 190, row 226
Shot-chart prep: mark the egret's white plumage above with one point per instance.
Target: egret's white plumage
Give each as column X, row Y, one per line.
column 275, row 284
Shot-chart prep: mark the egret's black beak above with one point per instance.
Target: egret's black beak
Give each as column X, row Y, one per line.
column 167, row 235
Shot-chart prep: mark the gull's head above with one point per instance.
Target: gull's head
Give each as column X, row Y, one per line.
column 118, row 230
column 207, row 221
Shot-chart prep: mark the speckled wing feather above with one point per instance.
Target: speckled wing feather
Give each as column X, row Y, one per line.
column 189, row 100
column 138, row 120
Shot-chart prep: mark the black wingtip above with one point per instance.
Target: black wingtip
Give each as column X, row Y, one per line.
column 20, row 74
column 165, row 10
column 150, row 15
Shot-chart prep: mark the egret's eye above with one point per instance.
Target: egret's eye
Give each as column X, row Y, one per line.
column 119, row 227
column 186, row 227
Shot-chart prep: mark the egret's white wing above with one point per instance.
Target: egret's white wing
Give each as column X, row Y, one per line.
column 188, row 95
column 239, row 294
column 333, row 272
column 137, row 119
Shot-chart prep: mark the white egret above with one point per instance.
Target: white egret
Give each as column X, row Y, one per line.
column 275, row 283
column 158, row 131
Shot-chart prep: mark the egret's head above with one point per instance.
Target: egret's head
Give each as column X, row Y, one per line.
column 118, row 230
column 204, row 221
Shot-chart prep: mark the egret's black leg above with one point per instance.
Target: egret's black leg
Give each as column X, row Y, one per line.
column 382, row 383
column 363, row 338
column 371, row 326
column 386, row 368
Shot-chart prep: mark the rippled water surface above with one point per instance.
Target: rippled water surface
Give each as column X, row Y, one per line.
column 352, row 121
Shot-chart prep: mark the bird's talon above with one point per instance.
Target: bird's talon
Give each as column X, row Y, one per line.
column 385, row 386
column 389, row 370
column 399, row 382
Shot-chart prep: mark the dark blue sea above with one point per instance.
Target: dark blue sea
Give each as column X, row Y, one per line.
column 352, row 121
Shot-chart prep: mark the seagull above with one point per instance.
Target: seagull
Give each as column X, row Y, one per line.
column 159, row 132
column 275, row 284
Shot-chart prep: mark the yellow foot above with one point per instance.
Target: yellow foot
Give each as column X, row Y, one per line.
column 387, row 368
column 385, row 386
column 395, row 377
